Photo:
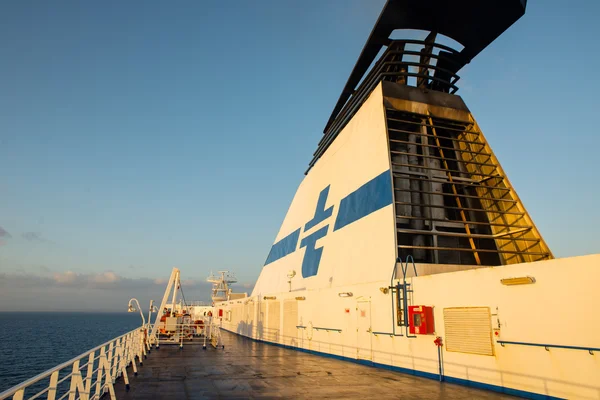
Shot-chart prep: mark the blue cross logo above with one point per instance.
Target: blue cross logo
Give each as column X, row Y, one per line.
column 312, row 256
column 370, row 197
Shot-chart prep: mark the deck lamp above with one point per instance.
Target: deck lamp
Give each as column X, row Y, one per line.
column 152, row 309
column 131, row 308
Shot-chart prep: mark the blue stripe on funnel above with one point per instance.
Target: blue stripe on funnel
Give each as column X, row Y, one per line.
column 370, row 197
column 285, row 246
column 312, row 257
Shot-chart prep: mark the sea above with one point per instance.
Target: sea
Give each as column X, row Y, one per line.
column 31, row 343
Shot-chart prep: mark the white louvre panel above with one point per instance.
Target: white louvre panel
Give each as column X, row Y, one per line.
column 251, row 326
column 290, row 321
column 239, row 311
column 469, row 330
column 262, row 317
column 245, row 324
column 273, row 321
column 235, row 314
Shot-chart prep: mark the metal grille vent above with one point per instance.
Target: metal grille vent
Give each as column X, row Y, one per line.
column 290, row 321
column 273, row 321
column 469, row 330
column 453, row 202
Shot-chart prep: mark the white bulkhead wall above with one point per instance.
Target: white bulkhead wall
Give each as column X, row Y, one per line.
column 557, row 309
column 363, row 251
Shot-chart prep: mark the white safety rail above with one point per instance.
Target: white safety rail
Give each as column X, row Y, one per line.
column 90, row 375
column 198, row 303
column 180, row 334
column 191, row 333
column 215, row 336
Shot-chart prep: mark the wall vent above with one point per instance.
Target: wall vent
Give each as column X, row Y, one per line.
column 469, row 330
column 290, row 321
column 273, row 322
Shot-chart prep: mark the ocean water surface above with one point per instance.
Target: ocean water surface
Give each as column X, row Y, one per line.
column 32, row 343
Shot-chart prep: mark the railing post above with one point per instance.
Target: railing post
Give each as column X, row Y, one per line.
column 104, row 367
column 157, row 337
column 123, row 362
column 19, row 394
column 142, row 345
column 87, row 387
column 118, row 357
column 121, row 359
column 181, row 337
column 147, row 341
column 52, row 387
column 76, row 381
column 111, row 362
column 131, row 351
column 101, row 365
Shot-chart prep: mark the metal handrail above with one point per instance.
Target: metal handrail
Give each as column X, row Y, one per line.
column 319, row 328
column 548, row 346
column 122, row 349
column 198, row 303
column 386, row 333
column 327, row 329
column 405, row 267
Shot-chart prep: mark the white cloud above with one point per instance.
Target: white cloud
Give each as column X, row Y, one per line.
column 102, row 291
column 105, row 277
column 85, row 280
column 65, row 278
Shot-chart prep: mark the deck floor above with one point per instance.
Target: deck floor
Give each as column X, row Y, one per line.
column 247, row 369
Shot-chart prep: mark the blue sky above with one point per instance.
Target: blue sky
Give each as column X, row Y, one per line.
column 135, row 137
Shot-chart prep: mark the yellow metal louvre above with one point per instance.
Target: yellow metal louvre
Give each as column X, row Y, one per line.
column 469, row 330
column 290, row 321
column 273, row 321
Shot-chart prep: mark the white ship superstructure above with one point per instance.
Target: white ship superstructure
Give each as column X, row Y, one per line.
column 221, row 289
column 406, row 247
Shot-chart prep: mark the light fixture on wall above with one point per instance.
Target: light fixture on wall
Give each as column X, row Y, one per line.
column 290, row 275
column 300, row 298
column 345, row 294
column 522, row 280
column 384, row 290
column 269, row 298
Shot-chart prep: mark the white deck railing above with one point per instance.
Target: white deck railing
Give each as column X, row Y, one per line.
column 189, row 333
column 198, row 303
column 93, row 371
